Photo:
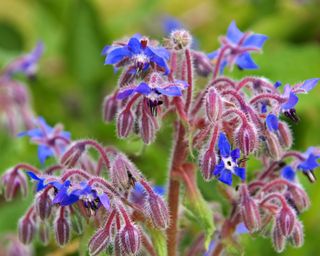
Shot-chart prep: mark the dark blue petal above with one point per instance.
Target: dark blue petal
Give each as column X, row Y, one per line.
column 224, row 145
column 277, row 84
column 240, row 172
column 272, row 122
column 44, row 152
column 235, row 154
column 33, row 176
column 117, row 55
column 288, row 173
column 309, row 84
column 309, row 164
column 161, row 63
column 226, row 177
column 218, row 168
column 134, row 45
column 264, row 107
column 233, row 33
column 125, row 93
column 69, row 199
column 62, row 193
column 143, row 88
column 170, row 91
column 105, row 50
column 291, row 102
column 255, row 40
column 160, row 52
column 160, row 190
column 244, row 61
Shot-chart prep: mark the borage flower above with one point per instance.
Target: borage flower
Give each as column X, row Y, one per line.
column 52, row 141
column 228, row 164
column 236, row 47
column 138, row 54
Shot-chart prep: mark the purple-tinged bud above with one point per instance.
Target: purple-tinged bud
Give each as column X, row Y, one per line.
column 246, row 138
column 110, row 108
column 16, row 248
column 300, row 198
column 297, row 236
column 62, row 227
column 14, row 180
column 285, row 220
column 44, row 233
column 43, row 205
column 207, row 163
column 147, row 127
column 124, row 123
column 285, row 135
column 201, row 63
column 130, row 239
column 273, row 146
column 73, row 154
column 249, row 210
column 213, row 105
column 117, row 246
column 278, row 240
column 180, row 39
column 157, row 210
column 99, row 241
column 26, row 228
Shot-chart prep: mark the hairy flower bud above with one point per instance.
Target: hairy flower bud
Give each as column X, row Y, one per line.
column 73, row 154
column 207, row 163
column 249, row 210
column 14, row 180
column 44, row 233
column 246, row 138
column 27, row 229
column 278, row 240
column 16, row 248
column 180, row 39
column 285, row 135
column 147, row 127
column 157, row 210
column 300, row 198
column 297, row 236
column 273, row 146
column 62, row 228
column 99, row 241
column 43, row 205
column 130, row 239
column 201, row 63
column 285, row 220
column 110, row 108
column 124, row 123
column 213, row 105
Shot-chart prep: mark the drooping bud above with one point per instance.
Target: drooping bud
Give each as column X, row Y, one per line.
column 44, row 233
column 147, row 125
column 124, row 123
column 297, row 236
column 246, row 138
column 130, row 239
column 99, row 241
column 180, row 39
column 73, row 154
column 278, row 240
column 201, row 63
column 285, row 135
column 157, row 210
column 300, row 198
column 27, row 229
column 14, row 181
column 249, row 210
column 110, row 108
column 285, row 220
column 213, row 105
column 273, row 146
column 207, row 163
column 16, row 248
column 43, row 205
column 62, row 227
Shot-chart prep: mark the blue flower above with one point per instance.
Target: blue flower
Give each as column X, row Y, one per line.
column 288, row 173
column 239, row 46
column 228, row 165
column 51, row 140
column 272, row 123
column 138, row 53
column 40, row 181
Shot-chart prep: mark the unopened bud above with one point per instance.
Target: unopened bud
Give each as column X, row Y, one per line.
column 180, row 39
column 300, row 198
column 213, row 105
column 124, row 123
column 207, row 163
column 73, row 154
column 130, row 239
column 147, row 127
column 285, row 220
column 43, row 205
column 62, row 228
column 26, row 228
column 201, row 63
column 246, row 138
column 16, row 248
column 158, row 211
column 273, row 146
column 14, row 181
column 249, row 210
column 285, row 135
column 99, row 241
column 278, row 240
column 297, row 236
column 110, row 108
column 44, row 233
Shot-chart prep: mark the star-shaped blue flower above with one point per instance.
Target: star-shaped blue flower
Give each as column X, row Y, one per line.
column 272, row 123
column 228, row 164
column 139, row 53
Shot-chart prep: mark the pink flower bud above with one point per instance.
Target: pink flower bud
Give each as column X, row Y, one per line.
column 249, row 210
column 43, row 205
column 110, row 108
column 278, row 240
column 300, row 198
column 14, row 180
column 27, row 229
column 147, row 127
column 72, row 154
column 285, row 220
column 207, row 163
column 213, row 105
column 16, row 248
column 44, row 233
column 158, row 211
column 99, row 241
column 124, row 123
column 180, row 39
column 297, row 236
column 285, row 135
column 130, row 239
column 246, row 138
column 273, row 146
column 202, row 63
column 62, row 228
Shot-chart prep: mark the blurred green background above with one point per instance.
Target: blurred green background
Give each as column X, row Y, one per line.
column 72, row 80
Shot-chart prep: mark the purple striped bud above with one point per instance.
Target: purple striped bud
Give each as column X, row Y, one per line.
column 278, row 240
column 297, row 237
column 124, row 123
column 99, row 241
column 147, row 127
column 207, row 163
column 26, row 229
column 285, row 220
column 300, row 198
column 249, row 210
column 213, row 105
column 157, row 210
column 110, row 108
column 44, row 233
column 130, row 239
column 246, row 138
column 285, row 135
column 62, row 227
column 43, row 205
column 201, row 63
column 273, row 146
column 73, row 154
column 14, row 181
column 117, row 246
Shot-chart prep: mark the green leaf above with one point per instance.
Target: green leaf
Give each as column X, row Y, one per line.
column 159, row 241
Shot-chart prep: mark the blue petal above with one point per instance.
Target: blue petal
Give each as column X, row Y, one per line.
column 161, row 63
column 62, row 193
column 233, row 33
column 272, row 123
column 105, row 50
column 241, row 229
column 264, row 107
column 169, row 91
column 309, row 84
column 170, row 24
column 134, row 45
column 244, row 61
column 43, row 124
column 32, row 133
column 213, row 55
column 44, row 152
column 218, row 168
column 291, row 102
column 288, row 173
column 33, row 176
column 255, row 40
column 309, row 164
column 226, row 177
column 143, row 88
column 104, row 199
column 235, row 154
column 69, row 199
column 240, row 172
column 224, row 145
column 160, row 52
column 117, row 55
column 125, row 93
column 277, row 84
column 160, row 190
